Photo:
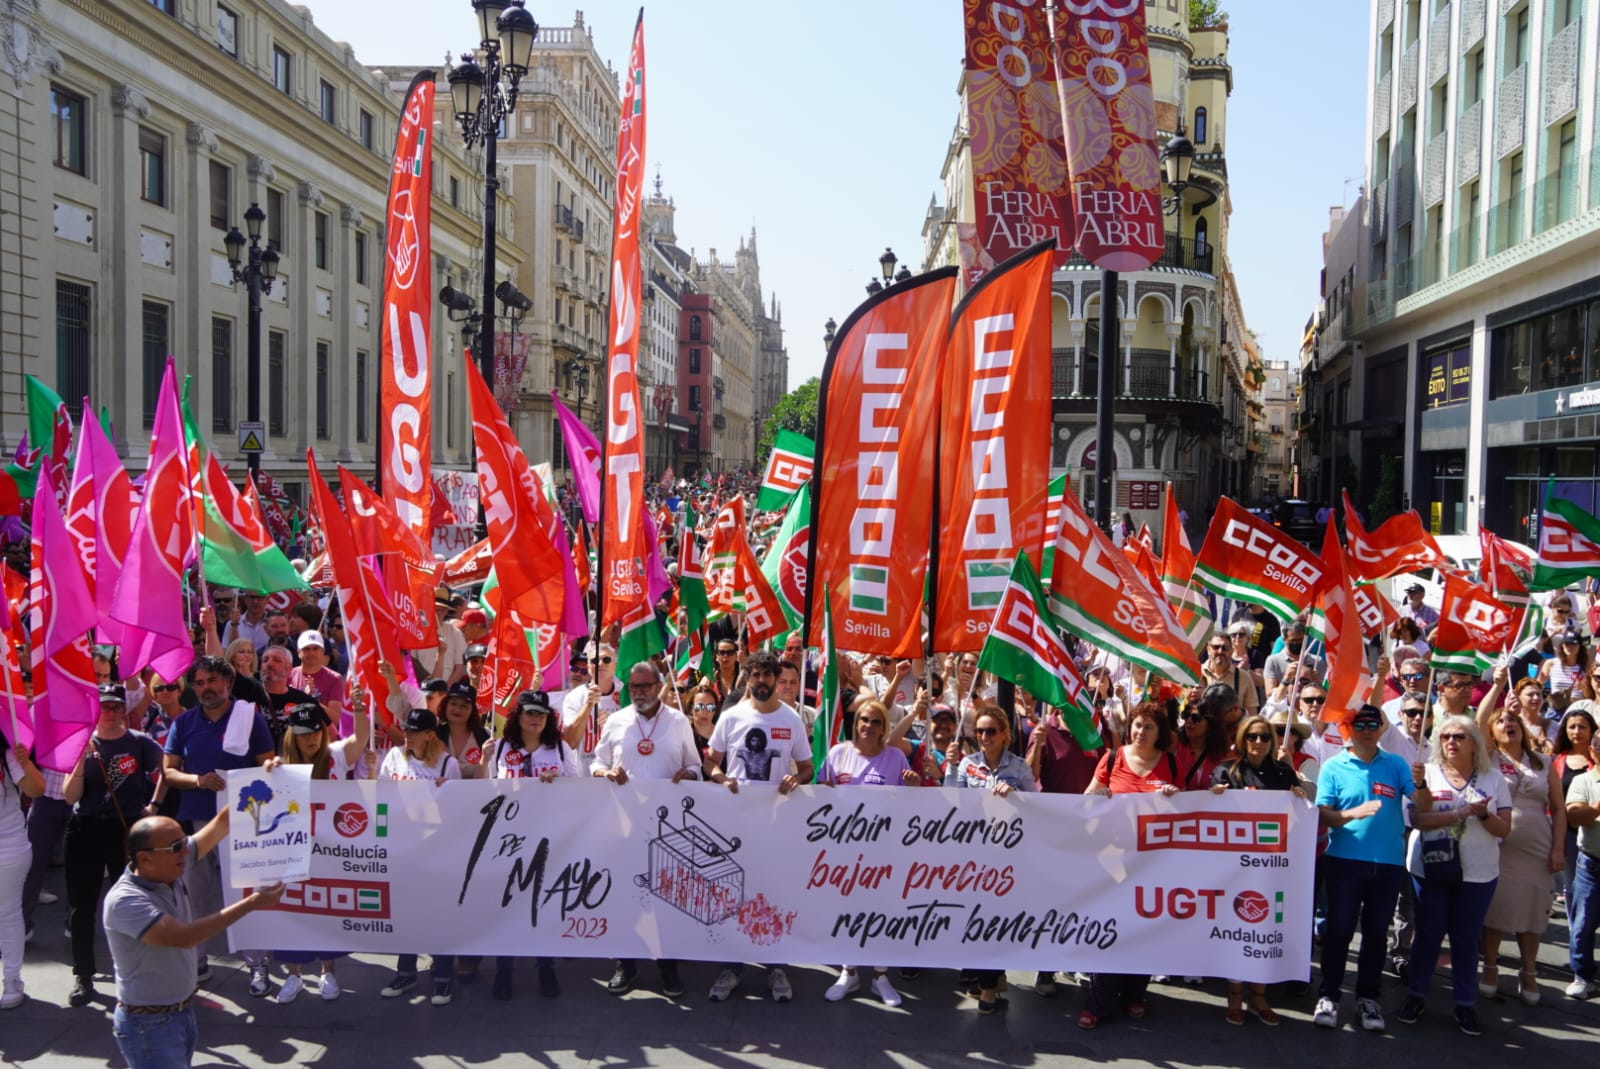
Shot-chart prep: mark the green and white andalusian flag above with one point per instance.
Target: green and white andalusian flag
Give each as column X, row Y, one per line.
column 786, row 562
column 788, row 469
column 1569, row 544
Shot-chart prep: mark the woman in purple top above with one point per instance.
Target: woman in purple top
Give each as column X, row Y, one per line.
column 867, row 761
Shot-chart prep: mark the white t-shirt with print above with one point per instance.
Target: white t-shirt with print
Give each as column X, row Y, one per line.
column 759, row 746
column 399, row 764
column 513, row 763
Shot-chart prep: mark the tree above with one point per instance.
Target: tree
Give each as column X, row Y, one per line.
column 1386, row 502
column 252, row 798
column 796, row 412
column 1206, row 13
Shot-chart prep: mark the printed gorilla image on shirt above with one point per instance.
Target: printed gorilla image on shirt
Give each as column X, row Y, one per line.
column 757, row 756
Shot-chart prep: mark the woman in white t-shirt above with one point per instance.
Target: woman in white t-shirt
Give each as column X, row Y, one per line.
column 423, row 757
column 531, row 747
column 21, row 780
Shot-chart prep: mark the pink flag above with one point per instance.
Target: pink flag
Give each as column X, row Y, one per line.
column 655, row 572
column 583, row 454
column 149, row 599
column 116, row 503
column 65, row 704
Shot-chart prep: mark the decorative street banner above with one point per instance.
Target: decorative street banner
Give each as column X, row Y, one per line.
column 872, row 501
column 994, row 445
column 1109, row 114
column 406, row 390
column 1195, row 884
column 269, row 825
column 1020, row 192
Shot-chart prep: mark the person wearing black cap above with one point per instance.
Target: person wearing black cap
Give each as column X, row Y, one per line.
column 462, row 732
column 111, row 786
column 1413, row 608
column 476, row 656
column 423, row 757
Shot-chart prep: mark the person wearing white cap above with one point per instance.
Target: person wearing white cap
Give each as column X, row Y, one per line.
column 315, row 677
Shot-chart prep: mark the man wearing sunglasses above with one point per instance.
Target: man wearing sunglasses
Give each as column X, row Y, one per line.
column 585, row 709
column 153, row 938
column 1218, row 667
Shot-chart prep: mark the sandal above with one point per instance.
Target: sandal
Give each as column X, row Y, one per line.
column 1235, row 1015
column 1088, row 1021
column 1263, row 1012
column 1489, row 982
column 1530, row 987
column 1135, row 1010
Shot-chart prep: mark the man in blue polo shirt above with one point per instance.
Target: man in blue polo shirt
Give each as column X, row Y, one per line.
column 195, row 763
column 1361, row 795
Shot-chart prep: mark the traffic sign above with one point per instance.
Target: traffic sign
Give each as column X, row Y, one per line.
column 252, row 437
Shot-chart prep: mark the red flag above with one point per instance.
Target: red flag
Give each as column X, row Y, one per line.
column 580, row 560
column 1334, row 621
column 471, row 565
column 1177, row 576
column 624, row 591
column 527, row 562
column 1474, row 626
column 1400, row 545
column 408, row 569
column 1251, row 561
column 994, row 444
column 405, row 424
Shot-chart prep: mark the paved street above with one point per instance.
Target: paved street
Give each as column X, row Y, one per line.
column 935, row 1027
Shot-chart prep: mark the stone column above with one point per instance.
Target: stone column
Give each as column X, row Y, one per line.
column 342, row 374
column 119, row 381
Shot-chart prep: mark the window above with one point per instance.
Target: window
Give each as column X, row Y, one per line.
column 73, row 342
column 166, row 6
column 319, row 236
column 281, row 69
column 1202, row 237
column 1562, row 195
column 694, row 397
column 1563, row 13
column 1199, row 126
column 694, row 361
column 361, row 257
column 450, row 410
column 365, row 129
column 275, row 212
column 455, row 192
column 152, row 166
column 277, row 382
column 221, row 195
column 694, row 328
column 156, row 336
column 66, row 115
column 1518, row 39
column 324, row 402
column 327, row 101
column 1472, row 87
column 361, row 396
column 227, row 31
column 221, row 374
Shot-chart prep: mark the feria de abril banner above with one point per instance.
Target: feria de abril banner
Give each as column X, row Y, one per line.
column 1195, row 884
column 406, row 413
column 872, row 500
column 994, row 444
column 623, row 540
column 1109, row 113
column 1019, row 165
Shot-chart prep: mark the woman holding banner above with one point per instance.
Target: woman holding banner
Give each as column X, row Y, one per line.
column 995, row 767
column 867, row 761
column 462, row 732
column 1257, row 768
column 1144, row 765
column 1206, row 741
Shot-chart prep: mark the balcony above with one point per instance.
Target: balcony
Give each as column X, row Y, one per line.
column 564, row 219
column 719, row 421
column 1180, row 254
column 565, row 337
column 1150, row 379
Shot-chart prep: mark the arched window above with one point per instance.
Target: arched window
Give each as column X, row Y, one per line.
column 1199, row 126
column 1201, row 237
column 694, row 328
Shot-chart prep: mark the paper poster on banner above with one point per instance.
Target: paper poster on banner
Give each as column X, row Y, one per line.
column 269, row 825
column 933, row 877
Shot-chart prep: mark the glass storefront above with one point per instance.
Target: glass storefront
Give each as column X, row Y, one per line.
column 1442, row 491
column 1518, row 475
column 1554, row 350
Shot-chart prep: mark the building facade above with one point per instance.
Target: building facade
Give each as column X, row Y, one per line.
column 137, row 135
column 1468, row 292
column 1187, row 370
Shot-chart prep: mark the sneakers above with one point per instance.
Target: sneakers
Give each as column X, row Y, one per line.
column 621, row 981
column 1371, row 1014
column 885, row 990
column 1467, row 1021
column 443, row 992
column 1411, row 1012
column 723, row 986
column 1326, row 1014
column 259, row 984
column 501, row 992
column 1045, row 985
column 48, row 898
column 1580, row 988
column 847, row 984
column 549, row 986
column 671, row 983
column 82, row 991
column 14, row 996
column 399, row 984
column 778, row 982
column 328, row 987
column 293, row 984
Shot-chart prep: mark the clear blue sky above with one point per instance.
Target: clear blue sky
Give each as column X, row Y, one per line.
column 824, row 125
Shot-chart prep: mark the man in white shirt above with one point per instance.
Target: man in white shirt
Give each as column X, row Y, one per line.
column 759, row 736
column 250, row 624
column 646, row 740
column 585, row 709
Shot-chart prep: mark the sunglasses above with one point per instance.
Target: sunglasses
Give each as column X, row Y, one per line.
column 160, row 688
column 1366, row 725
column 606, row 660
column 174, row 848
column 1192, row 717
column 1452, row 736
column 1413, row 712
column 1219, row 649
column 1256, row 736
column 1412, row 675
column 985, row 732
column 709, row 707
column 726, row 653
column 1453, row 686
column 1318, row 699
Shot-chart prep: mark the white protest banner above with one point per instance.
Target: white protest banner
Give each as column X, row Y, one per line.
column 269, row 825
column 1196, row 884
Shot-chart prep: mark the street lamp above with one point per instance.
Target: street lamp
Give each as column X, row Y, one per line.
column 828, row 333
column 578, row 375
column 257, row 272
column 1179, row 158
column 886, row 264
column 484, row 98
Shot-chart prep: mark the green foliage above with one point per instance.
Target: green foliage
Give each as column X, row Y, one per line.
column 1205, row 13
column 796, row 412
column 1386, row 502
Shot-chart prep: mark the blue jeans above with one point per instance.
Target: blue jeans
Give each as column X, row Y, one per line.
column 1583, row 906
column 1364, row 893
column 155, row 1041
column 1457, row 909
